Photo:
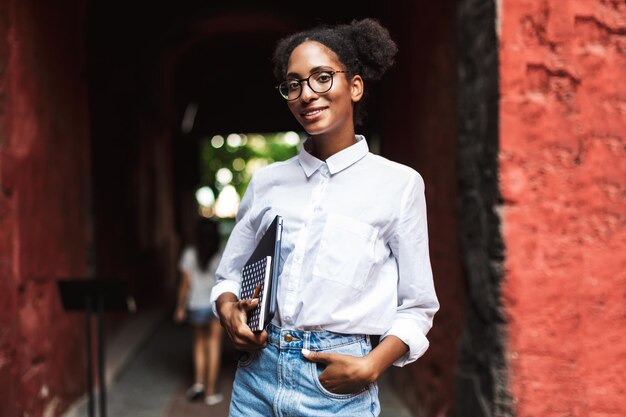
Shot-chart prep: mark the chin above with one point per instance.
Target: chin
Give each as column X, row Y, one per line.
column 314, row 129
column 312, row 132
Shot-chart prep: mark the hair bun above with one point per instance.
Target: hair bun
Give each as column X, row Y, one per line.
column 375, row 48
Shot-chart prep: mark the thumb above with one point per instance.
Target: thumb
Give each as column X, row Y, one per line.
column 320, row 357
column 249, row 304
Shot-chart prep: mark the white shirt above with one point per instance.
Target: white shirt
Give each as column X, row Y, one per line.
column 354, row 255
column 200, row 282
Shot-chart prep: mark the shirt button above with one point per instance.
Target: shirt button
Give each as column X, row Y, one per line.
column 288, row 338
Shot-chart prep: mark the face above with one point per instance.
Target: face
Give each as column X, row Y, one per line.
column 322, row 113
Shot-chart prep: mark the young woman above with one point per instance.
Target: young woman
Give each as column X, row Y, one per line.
column 354, row 258
column 197, row 266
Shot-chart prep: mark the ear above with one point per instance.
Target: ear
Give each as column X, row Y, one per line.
column 356, row 88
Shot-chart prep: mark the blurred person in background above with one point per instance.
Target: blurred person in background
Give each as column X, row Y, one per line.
column 197, row 266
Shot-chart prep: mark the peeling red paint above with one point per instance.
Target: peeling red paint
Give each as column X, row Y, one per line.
column 563, row 179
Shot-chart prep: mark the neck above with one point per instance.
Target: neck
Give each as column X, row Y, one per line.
column 325, row 146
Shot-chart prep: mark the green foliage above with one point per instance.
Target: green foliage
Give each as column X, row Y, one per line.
column 242, row 155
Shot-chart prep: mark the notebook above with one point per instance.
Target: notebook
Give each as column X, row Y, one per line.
column 261, row 270
column 255, row 275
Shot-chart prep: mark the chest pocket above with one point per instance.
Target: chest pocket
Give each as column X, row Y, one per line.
column 346, row 252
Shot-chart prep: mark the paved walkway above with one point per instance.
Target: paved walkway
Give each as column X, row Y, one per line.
column 154, row 382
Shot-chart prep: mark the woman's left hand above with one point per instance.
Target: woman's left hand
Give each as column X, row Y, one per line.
column 344, row 374
column 180, row 315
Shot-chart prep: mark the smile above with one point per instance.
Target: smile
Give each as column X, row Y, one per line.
column 312, row 114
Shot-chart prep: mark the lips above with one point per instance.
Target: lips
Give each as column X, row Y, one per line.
column 312, row 113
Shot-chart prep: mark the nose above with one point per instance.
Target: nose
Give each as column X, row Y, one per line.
column 307, row 93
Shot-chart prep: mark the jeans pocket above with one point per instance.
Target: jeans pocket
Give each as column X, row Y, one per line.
column 316, row 370
column 354, row 349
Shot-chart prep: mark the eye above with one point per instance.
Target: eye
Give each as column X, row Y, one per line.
column 323, row 77
column 293, row 85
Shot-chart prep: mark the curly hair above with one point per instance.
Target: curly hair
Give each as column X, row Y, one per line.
column 364, row 47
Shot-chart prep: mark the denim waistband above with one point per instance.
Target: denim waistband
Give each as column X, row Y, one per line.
column 312, row 340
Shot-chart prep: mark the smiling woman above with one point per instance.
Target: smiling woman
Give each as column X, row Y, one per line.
column 327, row 113
column 354, row 263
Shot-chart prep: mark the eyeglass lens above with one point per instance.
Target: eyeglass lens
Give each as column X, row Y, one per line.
column 319, row 82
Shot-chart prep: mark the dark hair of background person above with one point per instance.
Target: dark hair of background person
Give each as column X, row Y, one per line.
column 364, row 47
column 207, row 241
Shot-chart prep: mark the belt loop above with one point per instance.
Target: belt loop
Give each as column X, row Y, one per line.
column 275, row 335
column 271, row 333
column 281, row 339
column 306, row 344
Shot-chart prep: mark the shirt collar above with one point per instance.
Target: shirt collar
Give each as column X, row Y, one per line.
column 337, row 162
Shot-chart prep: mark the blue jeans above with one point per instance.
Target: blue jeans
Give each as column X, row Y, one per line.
column 200, row 316
column 278, row 381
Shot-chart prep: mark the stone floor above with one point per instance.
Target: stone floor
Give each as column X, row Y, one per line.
column 154, row 381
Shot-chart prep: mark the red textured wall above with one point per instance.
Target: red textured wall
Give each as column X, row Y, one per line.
column 563, row 179
column 44, row 174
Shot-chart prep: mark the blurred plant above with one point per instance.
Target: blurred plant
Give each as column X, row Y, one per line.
column 231, row 160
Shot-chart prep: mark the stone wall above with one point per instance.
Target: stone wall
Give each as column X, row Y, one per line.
column 482, row 377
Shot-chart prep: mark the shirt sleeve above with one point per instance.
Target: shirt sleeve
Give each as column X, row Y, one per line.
column 417, row 301
column 240, row 245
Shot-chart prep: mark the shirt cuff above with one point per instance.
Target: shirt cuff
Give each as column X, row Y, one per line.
column 222, row 287
column 412, row 336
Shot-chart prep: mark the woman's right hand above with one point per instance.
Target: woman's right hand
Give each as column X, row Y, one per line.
column 233, row 315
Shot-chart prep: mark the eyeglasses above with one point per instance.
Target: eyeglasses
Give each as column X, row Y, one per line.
column 319, row 82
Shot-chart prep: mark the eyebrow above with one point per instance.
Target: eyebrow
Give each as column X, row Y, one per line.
column 314, row 69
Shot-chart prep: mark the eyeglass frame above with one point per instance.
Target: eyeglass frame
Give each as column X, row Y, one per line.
column 301, row 80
